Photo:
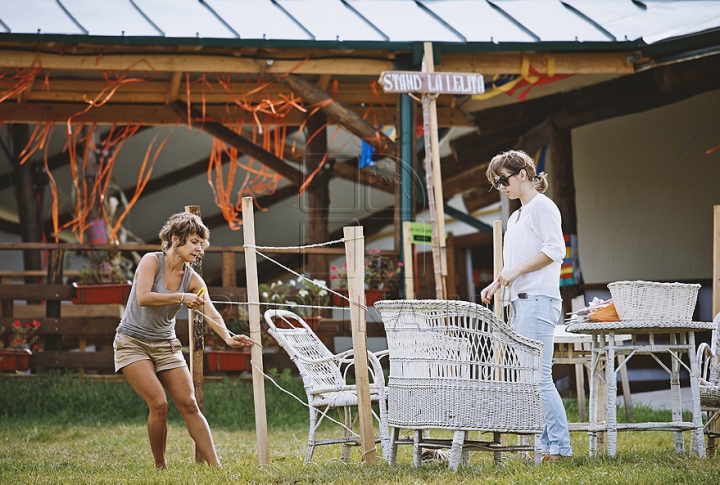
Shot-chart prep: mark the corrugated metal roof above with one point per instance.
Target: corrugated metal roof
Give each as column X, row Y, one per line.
column 476, row 22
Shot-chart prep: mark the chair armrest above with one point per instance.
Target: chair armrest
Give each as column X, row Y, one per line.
column 341, row 357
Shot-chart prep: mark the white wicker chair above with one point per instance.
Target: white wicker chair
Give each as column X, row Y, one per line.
column 324, row 377
column 455, row 365
column 708, row 358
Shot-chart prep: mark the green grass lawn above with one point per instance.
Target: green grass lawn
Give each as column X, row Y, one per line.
column 61, row 430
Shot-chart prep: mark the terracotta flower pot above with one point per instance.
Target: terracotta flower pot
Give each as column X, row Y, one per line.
column 371, row 296
column 228, row 360
column 102, row 294
column 15, row 359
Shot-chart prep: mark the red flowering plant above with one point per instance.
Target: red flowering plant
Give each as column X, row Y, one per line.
column 381, row 273
column 22, row 335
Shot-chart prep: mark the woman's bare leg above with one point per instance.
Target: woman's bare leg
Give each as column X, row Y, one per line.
column 141, row 376
column 179, row 384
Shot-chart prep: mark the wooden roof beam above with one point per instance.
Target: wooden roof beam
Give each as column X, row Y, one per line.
column 245, row 146
column 335, row 111
column 160, row 114
column 484, row 63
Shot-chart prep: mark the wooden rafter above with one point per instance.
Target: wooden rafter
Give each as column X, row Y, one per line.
column 338, row 113
column 343, row 64
column 245, row 146
column 160, row 114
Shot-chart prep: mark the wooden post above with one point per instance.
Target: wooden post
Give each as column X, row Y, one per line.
column 318, row 208
column 355, row 256
column 433, row 179
column 498, row 265
column 52, row 307
column 229, row 269
column 716, row 262
column 253, row 293
column 451, row 286
column 715, row 425
column 429, row 66
column 408, row 262
column 196, row 332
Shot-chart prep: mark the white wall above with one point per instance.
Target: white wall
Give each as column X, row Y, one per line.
column 646, row 190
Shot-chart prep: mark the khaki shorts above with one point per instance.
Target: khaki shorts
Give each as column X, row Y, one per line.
column 165, row 354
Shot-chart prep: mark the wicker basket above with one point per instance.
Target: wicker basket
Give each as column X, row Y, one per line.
column 647, row 300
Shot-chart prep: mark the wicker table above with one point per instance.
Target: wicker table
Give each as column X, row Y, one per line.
column 575, row 349
column 676, row 339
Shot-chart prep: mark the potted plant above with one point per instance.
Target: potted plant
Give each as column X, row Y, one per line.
column 103, row 281
column 300, row 296
column 22, row 339
column 382, row 276
column 219, row 357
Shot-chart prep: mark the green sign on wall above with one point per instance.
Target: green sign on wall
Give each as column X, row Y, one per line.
column 420, row 233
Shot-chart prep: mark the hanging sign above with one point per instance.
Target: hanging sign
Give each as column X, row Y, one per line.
column 432, row 82
column 420, row 233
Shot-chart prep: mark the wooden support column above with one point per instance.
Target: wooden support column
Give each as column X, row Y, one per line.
column 229, row 269
column 52, row 307
column 30, row 230
column 221, row 132
column 338, row 113
column 196, row 330
column 562, row 184
column 355, row 254
column 318, row 228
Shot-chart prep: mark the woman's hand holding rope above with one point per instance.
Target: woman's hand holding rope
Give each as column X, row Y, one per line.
column 237, row 341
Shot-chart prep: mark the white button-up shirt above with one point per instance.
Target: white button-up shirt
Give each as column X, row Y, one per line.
column 537, row 229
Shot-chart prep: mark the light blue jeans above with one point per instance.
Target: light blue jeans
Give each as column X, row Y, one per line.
column 535, row 318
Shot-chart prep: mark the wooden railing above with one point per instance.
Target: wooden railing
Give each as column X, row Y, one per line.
column 67, row 331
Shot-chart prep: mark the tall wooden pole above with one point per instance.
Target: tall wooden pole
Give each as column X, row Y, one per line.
column 355, row 256
column 498, row 265
column 196, row 330
column 408, row 261
column 253, row 294
column 429, row 66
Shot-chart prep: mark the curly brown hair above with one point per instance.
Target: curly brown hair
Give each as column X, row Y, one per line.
column 183, row 225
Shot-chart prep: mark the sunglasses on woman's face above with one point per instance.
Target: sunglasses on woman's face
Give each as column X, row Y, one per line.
column 503, row 181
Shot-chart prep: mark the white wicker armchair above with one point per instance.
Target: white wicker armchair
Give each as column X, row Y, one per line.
column 708, row 358
column 455, row 365
column 324, row 376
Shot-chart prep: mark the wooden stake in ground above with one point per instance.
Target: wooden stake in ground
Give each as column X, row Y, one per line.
column 355, row 256
column 196, row 329
column 253, row 294
column 408, row 261
column 498, row 265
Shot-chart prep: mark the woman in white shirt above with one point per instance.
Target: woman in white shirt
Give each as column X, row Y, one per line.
column 533, row 252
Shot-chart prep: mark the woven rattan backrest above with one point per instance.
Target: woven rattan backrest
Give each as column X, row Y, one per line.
column 303, row 345
column 456, row 340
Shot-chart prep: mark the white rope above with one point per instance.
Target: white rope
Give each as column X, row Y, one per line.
column 323, row 413
column 289, row 305
column 313, row 282
column 307, row 246
column 300, row 400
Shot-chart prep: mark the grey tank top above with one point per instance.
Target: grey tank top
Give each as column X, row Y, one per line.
column 153, row 323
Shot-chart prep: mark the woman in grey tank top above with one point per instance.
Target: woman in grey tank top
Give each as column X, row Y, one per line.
column 146, row 349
